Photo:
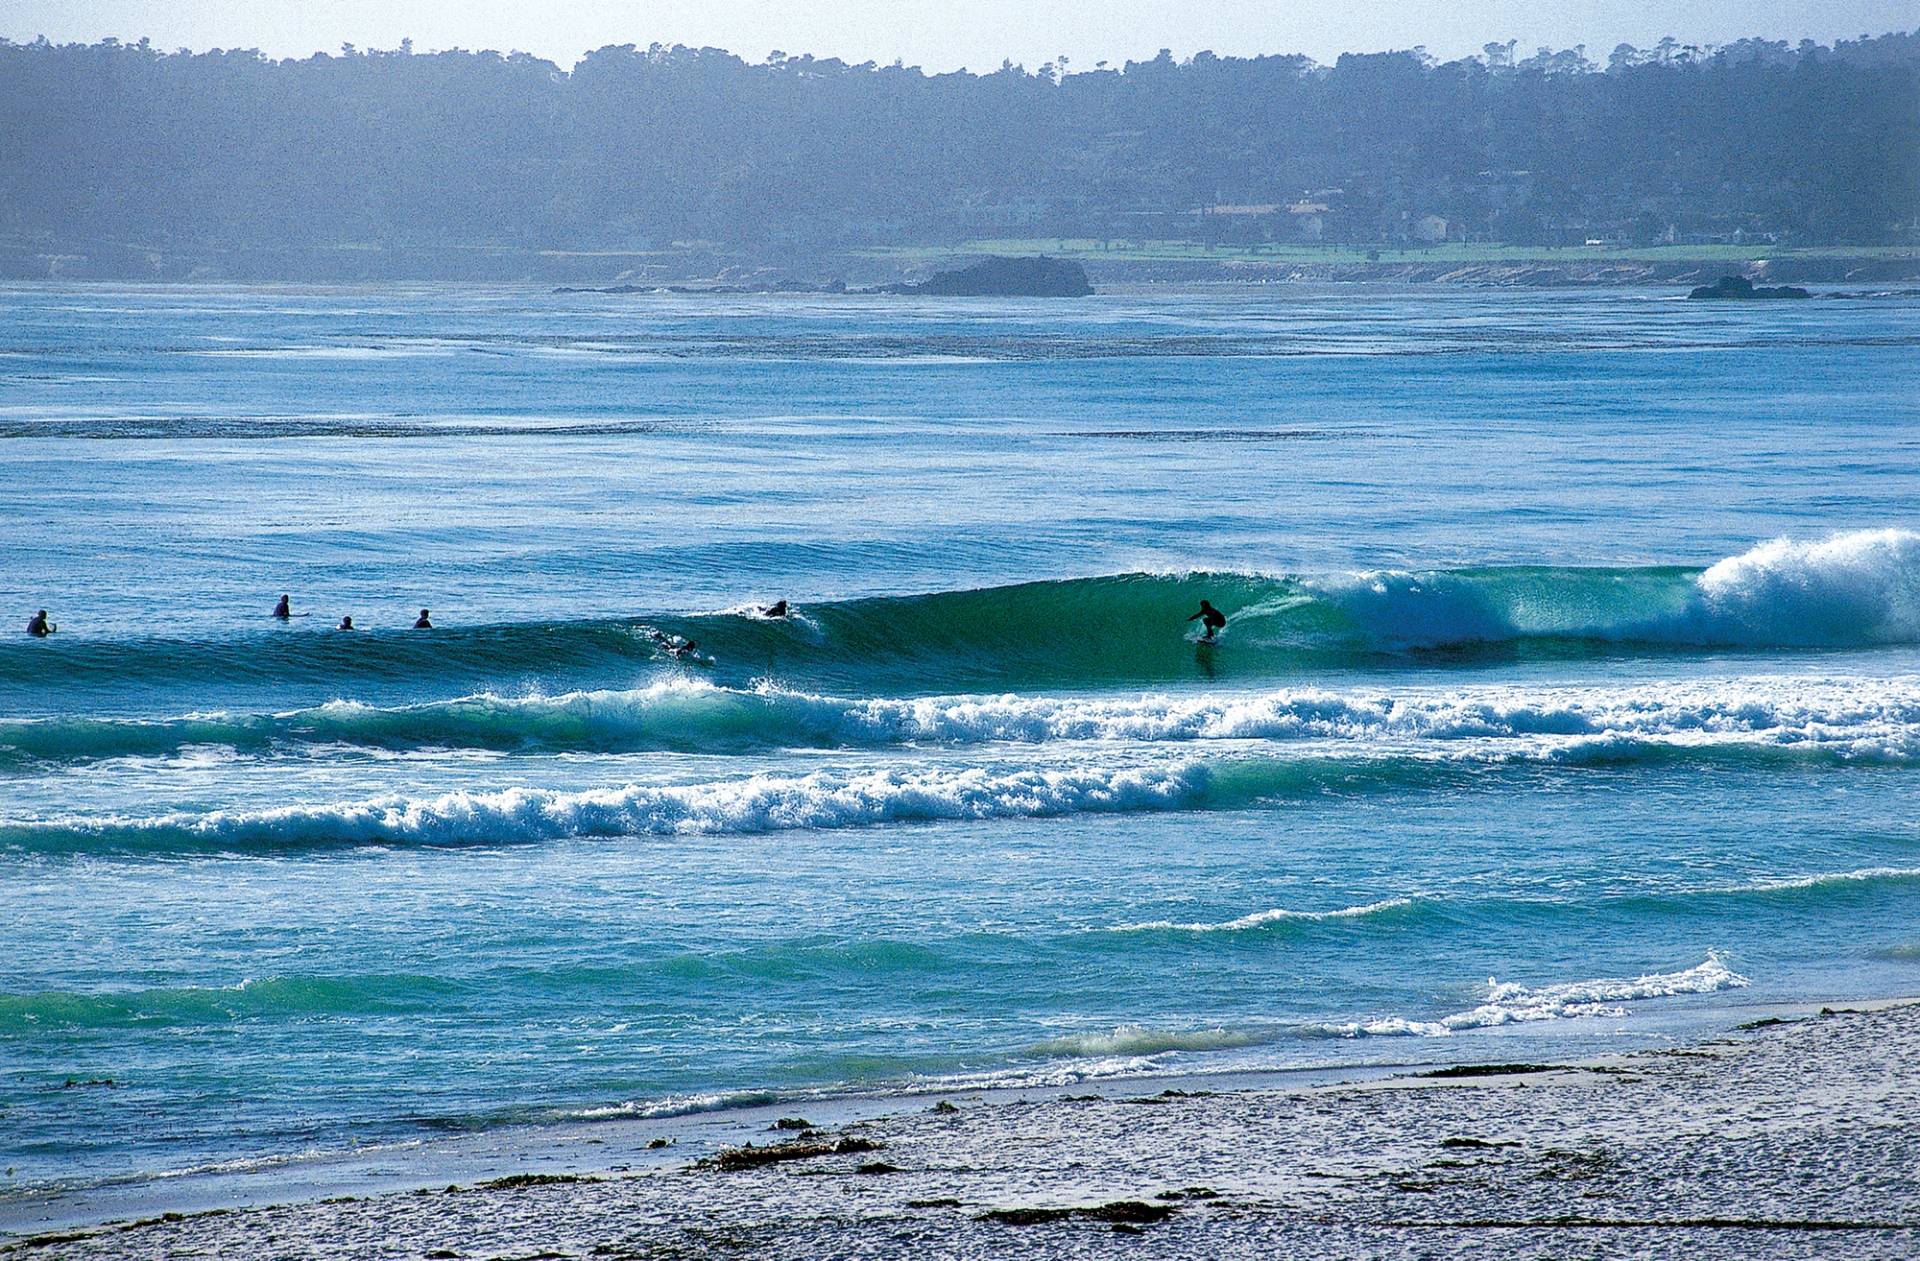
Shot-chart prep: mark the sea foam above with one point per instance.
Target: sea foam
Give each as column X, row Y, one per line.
column 759, row 803
column 1851, row 588
column 1856, row 589
column 1511, row 1003
column 1276, row 915
column 1875, row 717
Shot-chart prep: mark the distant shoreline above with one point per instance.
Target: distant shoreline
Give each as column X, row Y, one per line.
column 1711, row 1143
column 1108, row 264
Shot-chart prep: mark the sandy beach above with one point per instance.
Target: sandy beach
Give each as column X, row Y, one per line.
column 1786, row 1137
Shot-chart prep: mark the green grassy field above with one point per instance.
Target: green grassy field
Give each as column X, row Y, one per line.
column 1134, row 251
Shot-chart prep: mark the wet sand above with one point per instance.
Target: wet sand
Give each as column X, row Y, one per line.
column 1795, row 1138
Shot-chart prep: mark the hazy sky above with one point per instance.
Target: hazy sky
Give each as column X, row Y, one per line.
column 943, row 34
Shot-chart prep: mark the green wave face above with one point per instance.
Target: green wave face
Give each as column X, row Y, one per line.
column 1853, row 591
column 1134, row 628
column 1081, row 632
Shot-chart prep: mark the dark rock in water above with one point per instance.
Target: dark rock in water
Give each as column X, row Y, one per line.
column 1131, row 1212
column 1740, row 288
column 1006, row 278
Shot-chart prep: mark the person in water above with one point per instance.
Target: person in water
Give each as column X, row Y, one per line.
column 1211, row 618
column 421, row 622
column 39, row 627
column 777, row 609
column 283, row 610
column 346, row 623
column 672, row 645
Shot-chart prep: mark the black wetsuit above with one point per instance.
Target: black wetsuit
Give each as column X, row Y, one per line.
column 1211, row 618
column 37, row 626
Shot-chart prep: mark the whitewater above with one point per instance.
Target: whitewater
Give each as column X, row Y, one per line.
column 1568, row 701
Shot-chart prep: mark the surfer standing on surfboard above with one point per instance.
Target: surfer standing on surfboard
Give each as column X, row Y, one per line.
column 1211, row 618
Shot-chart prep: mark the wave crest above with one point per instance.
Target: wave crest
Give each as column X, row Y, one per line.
column 1141, row 1040
column 1511, row 1003
column 1848, row 716
column 1856, row 588
column 1853, row 590
column 760, row 803
column 1263, row 919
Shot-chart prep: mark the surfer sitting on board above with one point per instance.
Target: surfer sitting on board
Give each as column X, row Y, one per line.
column 1211, row 618
column 39, row 627
column 283, row 610
column 422, row 622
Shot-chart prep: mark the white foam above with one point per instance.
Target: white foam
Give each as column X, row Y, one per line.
column 1860, row 718
column 1846, row 715
column 676, row 1106
column 1260, row 919
column 760, row 803
column 1851, row 588
column 1828, row 879
column 1141, row 1040
column 1510, row 1003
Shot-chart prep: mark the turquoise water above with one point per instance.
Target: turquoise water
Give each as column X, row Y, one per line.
column 1573, row 642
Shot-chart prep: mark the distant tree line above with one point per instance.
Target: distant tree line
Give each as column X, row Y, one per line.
column 637, row 146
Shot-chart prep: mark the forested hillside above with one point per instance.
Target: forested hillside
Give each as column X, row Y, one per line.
column 637, row 148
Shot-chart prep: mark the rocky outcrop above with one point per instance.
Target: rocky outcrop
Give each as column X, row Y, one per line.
column 1739, row 288
column 1006, row 278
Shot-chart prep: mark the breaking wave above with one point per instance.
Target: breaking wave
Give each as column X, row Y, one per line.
column 764, row 803
column 1509, row 1003
column 760, row 803
column 1854, row 590
column 1142, row 1040
column 1848, row 716
column 1277, row 915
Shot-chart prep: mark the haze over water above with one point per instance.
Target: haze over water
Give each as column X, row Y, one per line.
column 1571, row 643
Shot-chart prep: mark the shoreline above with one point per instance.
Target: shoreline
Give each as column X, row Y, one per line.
column 586, row 1146
column 1182, row 266
column 1797, row 1123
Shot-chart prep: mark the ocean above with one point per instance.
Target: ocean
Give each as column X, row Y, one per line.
column 1569, row 697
